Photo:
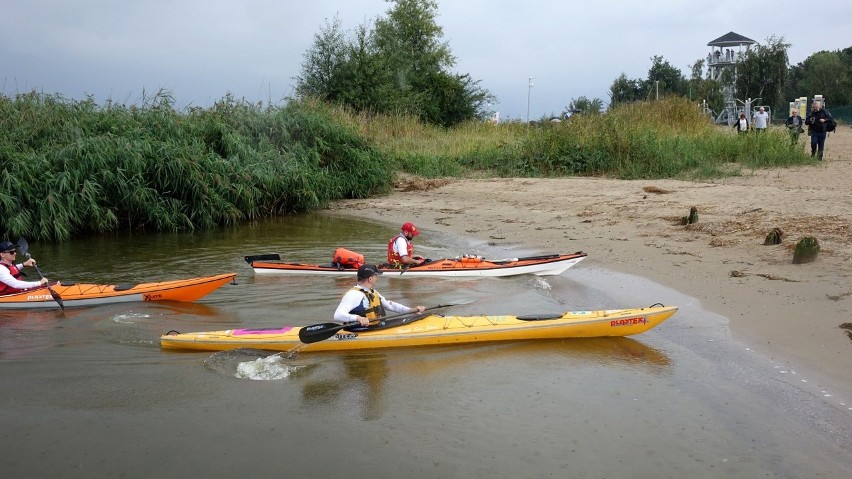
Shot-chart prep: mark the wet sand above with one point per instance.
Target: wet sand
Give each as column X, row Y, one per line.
column 790, row 313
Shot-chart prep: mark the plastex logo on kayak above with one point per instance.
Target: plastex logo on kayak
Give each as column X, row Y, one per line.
column 628, row 321
column 39, row 297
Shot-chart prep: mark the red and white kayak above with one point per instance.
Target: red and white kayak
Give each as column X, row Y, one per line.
column 459, row 267
column 83, row 294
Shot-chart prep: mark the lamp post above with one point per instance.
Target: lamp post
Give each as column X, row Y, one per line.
column 529, row 90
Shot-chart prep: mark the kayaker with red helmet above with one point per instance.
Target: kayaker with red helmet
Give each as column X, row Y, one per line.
column 400, row 249
column 10, row 272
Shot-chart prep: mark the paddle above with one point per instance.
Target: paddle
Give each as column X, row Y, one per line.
column 322, row 331
column 24, row 247
column 262, row 257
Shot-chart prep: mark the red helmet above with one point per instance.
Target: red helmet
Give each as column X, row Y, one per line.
column 410, row 229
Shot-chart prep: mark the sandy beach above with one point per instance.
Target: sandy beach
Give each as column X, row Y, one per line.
column 791, row 313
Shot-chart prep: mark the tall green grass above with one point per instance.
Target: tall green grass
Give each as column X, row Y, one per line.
column 70, row 168
column 658, row 139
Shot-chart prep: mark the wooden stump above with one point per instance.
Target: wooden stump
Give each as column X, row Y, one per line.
column 807, row 250
column 692, row 218
column 774, row 237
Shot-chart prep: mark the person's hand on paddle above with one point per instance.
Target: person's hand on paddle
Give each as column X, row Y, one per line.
column 29, row 262
column 419, row 259
column 419, row 309
column 363, row 321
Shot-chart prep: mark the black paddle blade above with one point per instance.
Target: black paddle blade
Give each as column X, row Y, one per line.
column 262, row 257
column 57, row 298
column 23, row 247
column 320, row 332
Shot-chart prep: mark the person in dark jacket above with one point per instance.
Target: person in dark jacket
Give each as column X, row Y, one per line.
column 741, row 125
column 817, row 122
column 794, row 126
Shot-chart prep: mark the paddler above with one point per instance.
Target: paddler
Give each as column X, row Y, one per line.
column 400, row 249
column 364, row 304
column 10, row 272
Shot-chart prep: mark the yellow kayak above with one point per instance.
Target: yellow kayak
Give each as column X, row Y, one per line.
column 431, row 330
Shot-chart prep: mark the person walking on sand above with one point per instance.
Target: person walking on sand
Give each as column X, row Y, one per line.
column 818, row 120
column 760, row 120
column 741, row 125
column 794, row 126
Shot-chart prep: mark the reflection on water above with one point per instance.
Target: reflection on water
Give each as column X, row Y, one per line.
column 356, row 380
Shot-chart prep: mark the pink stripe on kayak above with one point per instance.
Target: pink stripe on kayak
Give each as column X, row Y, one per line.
column 243, row 332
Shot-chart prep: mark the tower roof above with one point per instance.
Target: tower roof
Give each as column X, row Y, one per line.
column 731, row 39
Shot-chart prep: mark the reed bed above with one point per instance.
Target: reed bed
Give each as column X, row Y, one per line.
column 70, row 168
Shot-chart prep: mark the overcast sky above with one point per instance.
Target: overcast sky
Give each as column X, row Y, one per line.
column 199, row 50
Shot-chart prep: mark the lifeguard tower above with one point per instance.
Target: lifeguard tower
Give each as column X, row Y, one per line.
column 725, row 53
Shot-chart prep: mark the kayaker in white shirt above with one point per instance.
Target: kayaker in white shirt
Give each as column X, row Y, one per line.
column 364, row 304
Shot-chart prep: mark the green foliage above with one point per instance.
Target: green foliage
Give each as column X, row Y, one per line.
column 71, row 167
column 624, row 90
column 665, row 77
column 399, row 66
column 763, row 73
column 825, row 73
column 584, row 105
column 658, row 139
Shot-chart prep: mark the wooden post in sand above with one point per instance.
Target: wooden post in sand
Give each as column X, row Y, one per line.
column 807, row 250
column 774, row 237
column 692, row 218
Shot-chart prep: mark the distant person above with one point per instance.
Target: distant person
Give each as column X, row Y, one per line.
column 10, row 272
column 818, row 121
column 364, row 304
column 794, row 126
column 760, row 120
column 400, row 249
column 741, row 125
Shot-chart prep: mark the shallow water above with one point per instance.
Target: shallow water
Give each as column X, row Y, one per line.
column 89, row 393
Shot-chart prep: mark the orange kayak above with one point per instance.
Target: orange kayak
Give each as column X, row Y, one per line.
column 460, row 267
column 82, row 294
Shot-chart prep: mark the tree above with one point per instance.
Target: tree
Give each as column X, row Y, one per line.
column 670, row 79
column 704, row 89
column 823, row 73
column 322, row 70
column 624, row 90
column 584, row 105
column 400, row 66
column 763, row 73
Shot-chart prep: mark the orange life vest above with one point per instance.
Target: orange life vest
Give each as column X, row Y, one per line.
column 394, row 259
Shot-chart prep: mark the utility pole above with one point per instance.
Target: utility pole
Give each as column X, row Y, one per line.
column 529, row 91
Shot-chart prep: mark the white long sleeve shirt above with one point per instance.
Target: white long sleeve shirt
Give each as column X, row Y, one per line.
column 355, row 297
column 6, row 277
